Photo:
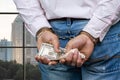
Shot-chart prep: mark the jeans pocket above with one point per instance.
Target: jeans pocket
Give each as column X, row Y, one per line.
column 109, row 65
column 106, row 55
column 59, row 67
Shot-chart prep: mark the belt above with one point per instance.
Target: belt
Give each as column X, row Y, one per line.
column 65, row 18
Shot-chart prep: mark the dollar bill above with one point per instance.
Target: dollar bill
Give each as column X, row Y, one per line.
column 47, row 50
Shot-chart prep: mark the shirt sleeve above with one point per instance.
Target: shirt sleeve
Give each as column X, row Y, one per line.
column 32, row 14
column 106, row 14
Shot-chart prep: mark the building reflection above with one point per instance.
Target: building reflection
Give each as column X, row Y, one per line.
column 5, row 53
column 17, row 40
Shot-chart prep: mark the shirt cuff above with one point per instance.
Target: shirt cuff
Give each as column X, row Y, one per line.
column 97, row 28
column 37, row 24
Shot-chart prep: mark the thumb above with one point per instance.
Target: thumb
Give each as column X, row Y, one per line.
column 68, row 48
column 55, row 43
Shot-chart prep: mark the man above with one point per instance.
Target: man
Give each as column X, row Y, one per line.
column 91, row 27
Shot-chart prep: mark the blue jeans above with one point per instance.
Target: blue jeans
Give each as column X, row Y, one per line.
column 104, row 63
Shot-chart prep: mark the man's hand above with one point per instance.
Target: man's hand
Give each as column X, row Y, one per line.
column 84, row 45
column 47, row 37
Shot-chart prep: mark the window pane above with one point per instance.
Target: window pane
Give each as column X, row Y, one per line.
column 18, row 55
column 30, row 55
column 29, row 39
column 11, row 29
column 7, row 6
column 11, row 65
column 6, row 54
column 11, row 54
column 32, row 70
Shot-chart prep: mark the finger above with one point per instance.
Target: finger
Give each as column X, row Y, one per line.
column 52, row 63
column 55, row 43
column 81, row 59
column 69, row 58
column 39, row 42
column 79, row 62
column 68, row 47
column 62, row 61
column 75, row 56
column 44, row 60
column 37, row 58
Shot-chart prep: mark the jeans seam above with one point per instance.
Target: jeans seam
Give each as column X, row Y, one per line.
column 106, row 57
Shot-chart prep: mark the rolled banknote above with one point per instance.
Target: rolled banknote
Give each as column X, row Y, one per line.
column 47, row 51
column 72, row 51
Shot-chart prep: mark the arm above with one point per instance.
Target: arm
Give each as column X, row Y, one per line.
column 36, row 22
column 32, row 14
column 106, row 14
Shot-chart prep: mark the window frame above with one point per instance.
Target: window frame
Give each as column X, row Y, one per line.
column 23, row 46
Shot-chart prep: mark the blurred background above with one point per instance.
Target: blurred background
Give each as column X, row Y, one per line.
column 17, row 46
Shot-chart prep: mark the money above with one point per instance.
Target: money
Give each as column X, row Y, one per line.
column 47, row 50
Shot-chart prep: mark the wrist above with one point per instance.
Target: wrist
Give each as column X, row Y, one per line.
column 41, row 31
column 94, row 40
